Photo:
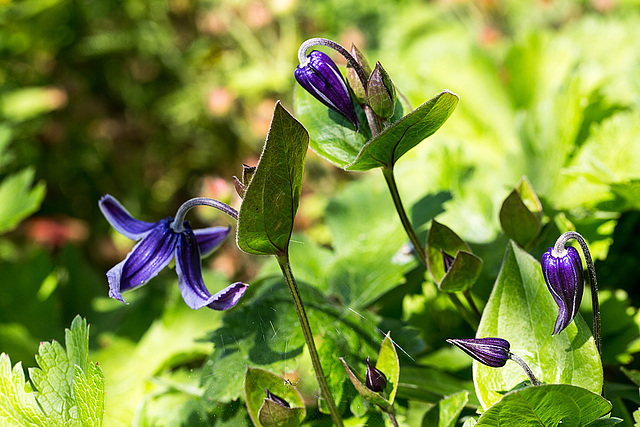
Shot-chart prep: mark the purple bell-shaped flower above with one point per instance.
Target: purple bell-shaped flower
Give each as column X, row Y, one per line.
column 493, row 352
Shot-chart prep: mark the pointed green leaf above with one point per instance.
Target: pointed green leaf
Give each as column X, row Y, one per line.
column 522, row 311
column 518, row 221
column 406, row 133
column 442, row 237
column 447, row 411
column 463, row 274
column 271, row 200
column 389, row 365
column 547, row 405
column 264, row 412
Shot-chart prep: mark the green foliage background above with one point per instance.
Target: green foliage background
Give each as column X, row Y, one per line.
column 156, row 101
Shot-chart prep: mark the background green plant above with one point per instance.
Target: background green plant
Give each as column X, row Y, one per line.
column 153, row 101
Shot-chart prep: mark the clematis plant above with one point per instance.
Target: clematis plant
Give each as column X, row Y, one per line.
column 162, row 241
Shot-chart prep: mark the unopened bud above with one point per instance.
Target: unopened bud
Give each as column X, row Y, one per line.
column 381, row 94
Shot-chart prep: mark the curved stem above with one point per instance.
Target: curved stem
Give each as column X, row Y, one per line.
column 558, row 251
column 177, row 224
column 526, row 368
column 283, row 261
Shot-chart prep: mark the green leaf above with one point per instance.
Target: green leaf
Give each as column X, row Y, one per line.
column 271, row 200
column 89, row 394
column 446, row 413
column 18, row 405
column 389, row 365
column 19, row 198
column 466, row 266
column 264, row 412
column 520, row 214
column 522, row 311
column 272, row 414
column 406, row 133
column 430, row 385
column 463, row 274
column 547, row 405
column 64, row 395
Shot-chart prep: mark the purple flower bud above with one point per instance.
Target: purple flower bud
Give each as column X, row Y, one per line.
column 322, row 79
column 276, row 399
column 375, row 380
column 447, row 260
column 492, row 352
column 563, row 274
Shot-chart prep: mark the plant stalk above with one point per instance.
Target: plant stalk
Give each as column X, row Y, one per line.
column 283, row 261
column 525, row 367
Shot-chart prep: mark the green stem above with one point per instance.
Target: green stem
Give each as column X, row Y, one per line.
column 283, row 261
column 413, row 237
column 397, row 201
column 472, row 304
column 525, row 367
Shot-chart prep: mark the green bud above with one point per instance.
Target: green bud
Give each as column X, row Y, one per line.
column 381, row 95
column 352, row 76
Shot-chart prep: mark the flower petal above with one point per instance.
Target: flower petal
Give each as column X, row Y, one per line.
column 228, row 297
column 121, row 219
column 190, row 282
column 147, row 258
column 209, row 239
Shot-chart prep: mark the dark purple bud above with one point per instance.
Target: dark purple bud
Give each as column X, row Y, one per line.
column 563, row 274
column 492, row 352
column 322, row 79
column 375, row 380
column 447, row 259
column 381, row 94
column 276, row 399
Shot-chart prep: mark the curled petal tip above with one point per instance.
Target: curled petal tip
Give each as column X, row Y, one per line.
column 228, row 297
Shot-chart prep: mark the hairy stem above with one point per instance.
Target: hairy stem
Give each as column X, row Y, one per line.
column 526, row 368
column 177, row 223
column 283, row 261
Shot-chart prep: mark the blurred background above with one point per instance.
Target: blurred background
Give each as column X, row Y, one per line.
column 158, row 101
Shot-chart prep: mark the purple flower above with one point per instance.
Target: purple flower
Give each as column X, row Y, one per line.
column 563, row 274
column 159, row 243
column 492, row 352
column 375, row 380
column 322, row 79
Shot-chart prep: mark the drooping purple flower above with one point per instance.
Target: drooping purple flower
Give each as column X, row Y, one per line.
column 493, row 352
column 159, row 243
column 563, row 274
column 375, row 380
column 320, row 76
